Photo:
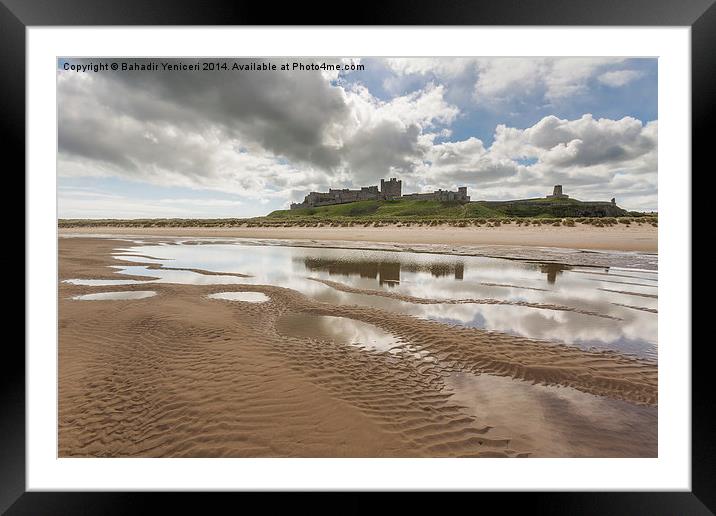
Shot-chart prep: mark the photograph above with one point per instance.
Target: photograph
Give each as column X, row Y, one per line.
column 357, row 257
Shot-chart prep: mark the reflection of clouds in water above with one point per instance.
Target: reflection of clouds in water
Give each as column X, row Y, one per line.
column 435, row 277
column 111, row 296
column 181, row 277
column 578, row 294
column 102, row 282
column 247, row 297
column 337, row 329
column 138, row 259
column 637, row 336
column 633, row 335
column 557, row 421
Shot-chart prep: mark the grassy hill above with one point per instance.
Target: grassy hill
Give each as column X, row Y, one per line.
column 388, row 209
column 412, row 209
column 535, row 211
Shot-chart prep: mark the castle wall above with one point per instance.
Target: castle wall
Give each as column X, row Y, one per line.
column 441, row 195
column 338, row 196
column 391, row 189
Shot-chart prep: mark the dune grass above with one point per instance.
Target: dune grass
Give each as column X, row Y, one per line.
column 344, row 221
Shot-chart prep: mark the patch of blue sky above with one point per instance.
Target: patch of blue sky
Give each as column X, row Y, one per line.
column 479, row 117
column 526, row 161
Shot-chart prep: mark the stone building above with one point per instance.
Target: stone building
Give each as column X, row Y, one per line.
column 441, row 195
column 557, row 193
column 389, row 190
column 338, row 196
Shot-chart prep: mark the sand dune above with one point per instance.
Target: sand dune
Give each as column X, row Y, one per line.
column 182, row 375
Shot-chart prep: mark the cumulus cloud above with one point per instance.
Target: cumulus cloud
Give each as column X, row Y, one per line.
column 239, row 131
column 384, row 137
column 596, row 158
column 582, row 142
column 499, row 79
column 187, row 113
column 555, row 78
column 617, row 78
column 432, row 65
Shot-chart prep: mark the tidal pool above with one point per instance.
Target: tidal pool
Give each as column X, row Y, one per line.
column 103, row 282
column 553, row 421
column 627, row 297
column 248, row 297
column 337, row 329
column 110, row 296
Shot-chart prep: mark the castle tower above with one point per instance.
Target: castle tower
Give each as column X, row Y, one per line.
column 391, row 189
column 557, row 193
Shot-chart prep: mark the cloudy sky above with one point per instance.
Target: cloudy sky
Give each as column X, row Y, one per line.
column 243, row 143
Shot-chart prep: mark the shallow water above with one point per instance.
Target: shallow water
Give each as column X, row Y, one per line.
column 626, row 295
column 247, row 297
column 102, row 282
column 111, row 296
column 556, row 421
column 336, row 329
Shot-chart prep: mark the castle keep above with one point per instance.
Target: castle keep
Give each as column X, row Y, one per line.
column 557, row 193
column 389, row 190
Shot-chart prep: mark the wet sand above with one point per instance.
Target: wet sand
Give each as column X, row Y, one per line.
column 582, row 236
column 182, row 375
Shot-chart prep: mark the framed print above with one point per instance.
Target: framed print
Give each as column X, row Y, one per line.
column 427, row 251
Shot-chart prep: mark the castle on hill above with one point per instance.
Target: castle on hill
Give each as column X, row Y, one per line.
column 557, row 193
column 389, row 190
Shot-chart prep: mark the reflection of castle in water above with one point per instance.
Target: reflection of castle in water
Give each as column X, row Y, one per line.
column 552, row 270
column 386, row 272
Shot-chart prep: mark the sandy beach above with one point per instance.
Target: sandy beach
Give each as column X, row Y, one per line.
column 582, row 236
column 181, row 374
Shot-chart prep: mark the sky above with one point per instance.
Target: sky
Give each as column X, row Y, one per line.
column 242, row 143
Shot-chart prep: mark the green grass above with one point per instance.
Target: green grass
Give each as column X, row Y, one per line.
column 379, row 210
column 554, row 208
column 528, row 212
column 417, row 210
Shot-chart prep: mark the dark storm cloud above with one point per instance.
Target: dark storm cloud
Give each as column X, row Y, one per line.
column 286, row 113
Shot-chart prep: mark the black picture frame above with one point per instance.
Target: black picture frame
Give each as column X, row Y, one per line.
column 17, row 15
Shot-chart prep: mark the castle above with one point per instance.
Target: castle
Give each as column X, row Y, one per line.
column 558, row 194
column 389, row 190
column 392, row 189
